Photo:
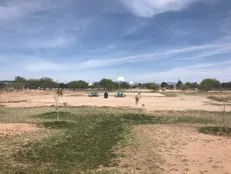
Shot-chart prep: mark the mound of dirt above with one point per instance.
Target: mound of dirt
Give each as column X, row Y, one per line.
column 17, row 128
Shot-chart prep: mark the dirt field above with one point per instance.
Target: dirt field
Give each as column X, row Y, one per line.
column 168, row 147
column 150, row 101
column 176, row 150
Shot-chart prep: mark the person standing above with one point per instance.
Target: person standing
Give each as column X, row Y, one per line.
column 137, row 99
column 105, row 94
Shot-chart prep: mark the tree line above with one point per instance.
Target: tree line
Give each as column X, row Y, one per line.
column 108, row 84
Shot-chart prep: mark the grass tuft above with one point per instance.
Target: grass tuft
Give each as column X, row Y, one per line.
column 220, row 99
column 220, row 131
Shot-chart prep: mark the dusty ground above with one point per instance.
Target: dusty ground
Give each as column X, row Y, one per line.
column 158, row 148
column 16, row 128
column 151, row 101
column 176, row 150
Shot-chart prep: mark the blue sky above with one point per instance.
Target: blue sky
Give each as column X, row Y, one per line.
column 142, row 40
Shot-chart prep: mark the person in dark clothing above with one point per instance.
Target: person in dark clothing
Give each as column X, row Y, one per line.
column 105, row 94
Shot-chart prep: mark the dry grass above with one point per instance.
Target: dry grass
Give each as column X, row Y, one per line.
column 169, row 94
column 225, row 99
column 99, row 128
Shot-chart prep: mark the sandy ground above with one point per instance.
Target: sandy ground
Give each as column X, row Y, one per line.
column 158, row 148
column 16, row 128
column 176, row 150
column 151, row 101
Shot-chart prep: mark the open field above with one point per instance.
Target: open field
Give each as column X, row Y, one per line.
column 165, row 136
column 151, row 101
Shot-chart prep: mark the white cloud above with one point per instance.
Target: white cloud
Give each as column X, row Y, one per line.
column 13, row 9
column 97, row 63
column 36, row 64
column 195, row 72
column 209, row 53
column 149, row 8
column 199, row 51
column 71, row 71
column 18, row 8
column 59, row 41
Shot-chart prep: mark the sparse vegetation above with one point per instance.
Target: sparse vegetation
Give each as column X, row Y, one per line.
column 88, row 138
column 169, row 94
column 220, row 131
column 220, row 98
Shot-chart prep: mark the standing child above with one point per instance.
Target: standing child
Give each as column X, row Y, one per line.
column 137, row 99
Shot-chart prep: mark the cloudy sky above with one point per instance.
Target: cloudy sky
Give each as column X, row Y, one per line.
column 142, row 40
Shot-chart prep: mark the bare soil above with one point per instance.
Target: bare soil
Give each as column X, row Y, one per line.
column 176, row 150
column 149, row 101
column 16, row 128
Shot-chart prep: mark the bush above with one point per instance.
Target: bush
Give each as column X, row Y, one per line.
column 209, row 84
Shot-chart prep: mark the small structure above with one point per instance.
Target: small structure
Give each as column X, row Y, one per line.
column 105, row 94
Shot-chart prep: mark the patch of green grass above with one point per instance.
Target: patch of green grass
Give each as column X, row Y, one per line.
column 220, row 131
column 86, row 139
column 56, row 124
column 145, row 119
column 53, row 115
column 84, row 146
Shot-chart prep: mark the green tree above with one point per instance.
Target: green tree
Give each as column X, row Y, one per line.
column 2, row 85
column 164, row 85
column 226, row 85
column 209, row 84
column 188, row 85
column 19, row 79
column 124, row 85
column 47, row 82
column 19, row 82
column 179, row 84
column 78, row 85
column 82, row 84
column 96, row 85
column 32, row 83
column 107, row 84
column 152, row 86
column 63, row 85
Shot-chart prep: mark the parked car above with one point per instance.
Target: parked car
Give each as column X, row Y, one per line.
column 93, row 94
